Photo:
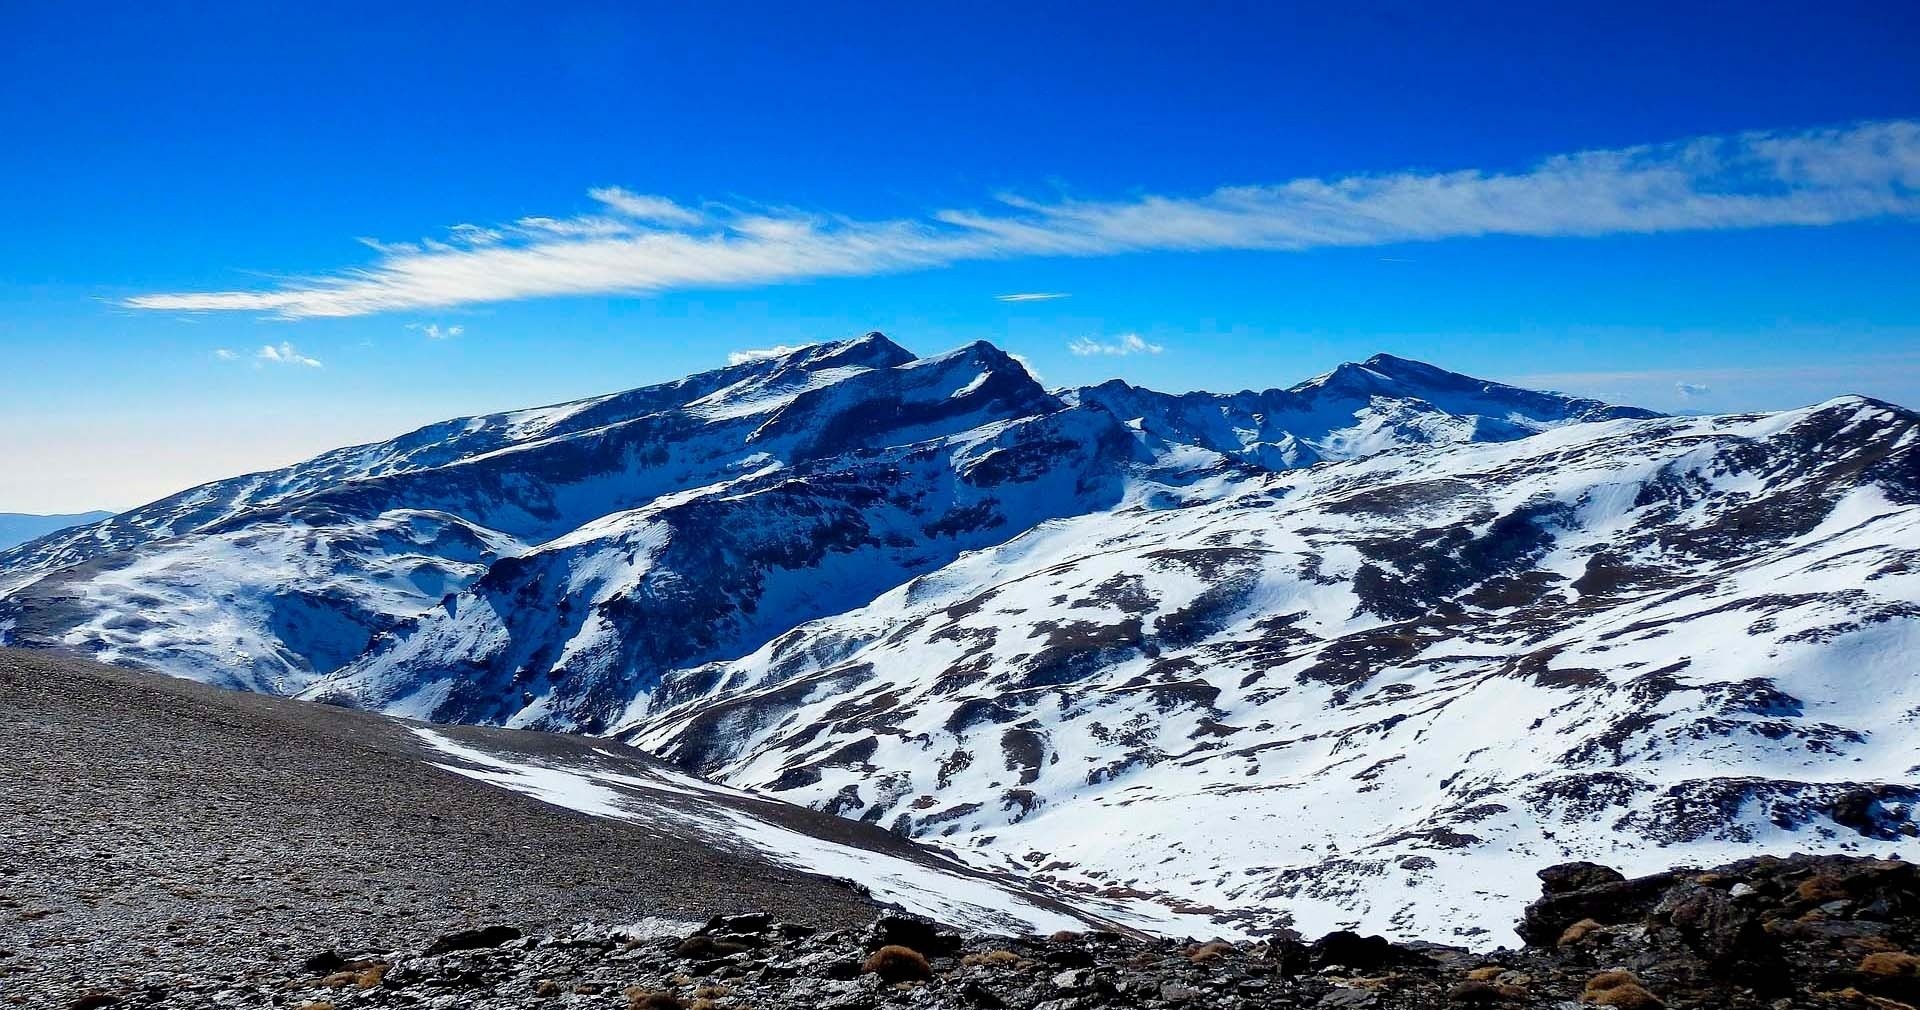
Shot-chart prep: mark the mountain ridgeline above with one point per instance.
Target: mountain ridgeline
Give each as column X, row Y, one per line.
column 1341, row 653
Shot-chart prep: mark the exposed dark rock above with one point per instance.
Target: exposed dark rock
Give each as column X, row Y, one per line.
column 1546, row 919
column 1359, row 953
column 912, row 931
column 473, row 939
column 1563, row 878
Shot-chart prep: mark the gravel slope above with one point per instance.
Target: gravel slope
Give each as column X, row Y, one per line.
column 149, row 823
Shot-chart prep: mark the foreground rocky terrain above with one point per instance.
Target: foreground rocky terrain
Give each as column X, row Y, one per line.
column 161, row 828
column 1762, row 933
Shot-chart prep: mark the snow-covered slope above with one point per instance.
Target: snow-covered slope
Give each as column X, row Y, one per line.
column 1363, row 650
column 1376, row 692
column 269, row 580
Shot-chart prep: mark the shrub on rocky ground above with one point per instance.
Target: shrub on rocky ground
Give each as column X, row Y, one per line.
column 897, row 964
column 646, row 999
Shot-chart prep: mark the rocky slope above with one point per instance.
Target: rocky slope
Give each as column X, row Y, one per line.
column 1360, row 651
column 153, row 825
column 1762, row 933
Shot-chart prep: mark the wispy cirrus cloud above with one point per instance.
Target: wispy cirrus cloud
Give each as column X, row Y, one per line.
column 638, row 244
column 642, row 207
column 1033, row 296
column 1121, row 346
column 1689, row 390
column 283, row 353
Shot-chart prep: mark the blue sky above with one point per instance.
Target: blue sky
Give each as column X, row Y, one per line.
column 1258, row 192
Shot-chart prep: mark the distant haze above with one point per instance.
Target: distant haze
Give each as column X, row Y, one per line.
column 20, row 527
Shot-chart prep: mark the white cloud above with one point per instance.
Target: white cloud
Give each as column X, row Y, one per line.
column 473, row 234
column 1687, row 390
column 762, row 353
column 648, row 244
column 434, row 331
column 284, row 353
column 639, row 206
column 1026, row 364
column 1033, row 296
column 1126, row 344
column 224, row 354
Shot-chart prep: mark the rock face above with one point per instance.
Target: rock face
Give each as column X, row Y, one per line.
column 1762, row 933
column 1358, row 653
column 1775, row 927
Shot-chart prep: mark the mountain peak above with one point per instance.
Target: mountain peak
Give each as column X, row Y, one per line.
column 869, row 350
column 1455, row 392
column 1382, row 371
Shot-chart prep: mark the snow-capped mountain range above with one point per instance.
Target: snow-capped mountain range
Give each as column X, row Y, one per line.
column 1365, row 651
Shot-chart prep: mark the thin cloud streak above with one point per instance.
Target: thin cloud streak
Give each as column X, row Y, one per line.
column 642, row 244
column 1033, row 296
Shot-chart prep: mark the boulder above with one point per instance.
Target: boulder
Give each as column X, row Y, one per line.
column 1546, row 920
column 1566, row 878
column 473, row 939
column 912, row 931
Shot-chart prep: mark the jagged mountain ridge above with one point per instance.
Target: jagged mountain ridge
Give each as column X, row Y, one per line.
column 273, row 581
column 1356, row 409
column 799, row 574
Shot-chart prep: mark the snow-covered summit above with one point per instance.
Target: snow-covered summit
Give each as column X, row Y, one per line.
column 1353, row 410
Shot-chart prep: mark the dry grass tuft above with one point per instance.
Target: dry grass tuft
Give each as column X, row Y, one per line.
column 1611, row 979
column 647, row 999
column 1578, row 931
column 895, row 963
column 1626, row 997
column 1821, row 888
column 992, row 957
column 1620, row 989
column 1892, row 964
column 1210, row 952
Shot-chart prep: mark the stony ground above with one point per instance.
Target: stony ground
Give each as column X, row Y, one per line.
column 148, row 824
column 167, row 845
column 1767, row 933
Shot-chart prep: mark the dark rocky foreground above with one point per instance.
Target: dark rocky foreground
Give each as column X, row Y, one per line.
column 163, row 844
column 159, row 827
column 1775, row 933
